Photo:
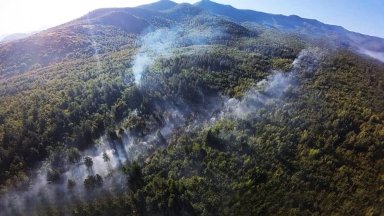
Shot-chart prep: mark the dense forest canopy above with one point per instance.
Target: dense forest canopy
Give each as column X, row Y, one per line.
column 178, row 109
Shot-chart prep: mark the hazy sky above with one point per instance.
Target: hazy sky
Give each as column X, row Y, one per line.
column 365, row 16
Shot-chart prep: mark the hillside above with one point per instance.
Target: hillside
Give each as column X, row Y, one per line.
column 13, row 37
column 298, row 25
column 180, row 109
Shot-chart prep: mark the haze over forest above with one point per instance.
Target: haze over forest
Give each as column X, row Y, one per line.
column 191, row 109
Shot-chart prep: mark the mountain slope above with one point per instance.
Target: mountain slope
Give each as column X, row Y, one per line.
column 160, row 5
column 122, row 20
column 312, row 28
column 180, row 109
column 15, row 36
column 125, row 21
column 51, row 46
column 292, row 23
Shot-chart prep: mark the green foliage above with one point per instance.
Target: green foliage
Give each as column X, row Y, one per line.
column 53, row 176
column 134, row 176
column 69, row 103
column 280, row 63
column 280, row 161
column 74, row 155
column 88, row 162
column 93, row 182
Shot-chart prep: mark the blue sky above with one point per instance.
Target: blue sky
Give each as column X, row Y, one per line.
column 365, row 16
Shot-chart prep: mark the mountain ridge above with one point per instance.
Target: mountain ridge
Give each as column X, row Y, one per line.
column 165, row 13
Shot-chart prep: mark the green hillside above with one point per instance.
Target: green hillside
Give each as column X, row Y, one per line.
column 177, row 109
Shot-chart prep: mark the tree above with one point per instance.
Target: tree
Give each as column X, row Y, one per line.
column 88, row 162
column 106, row 157
column 74, row 155
column 71, row 183
column 93, row 181
column 53, row 176
column 107, row 160
column 135, row 176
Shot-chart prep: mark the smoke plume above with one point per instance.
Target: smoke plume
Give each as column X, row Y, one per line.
column 273, row 89
column 154, row 45
column 376, row 55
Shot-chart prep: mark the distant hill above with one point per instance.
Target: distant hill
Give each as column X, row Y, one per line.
column 310, row 27
column 166, row 13
column 160, row 5
column 13, row 37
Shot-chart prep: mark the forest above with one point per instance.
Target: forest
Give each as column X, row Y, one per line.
column 244, row 120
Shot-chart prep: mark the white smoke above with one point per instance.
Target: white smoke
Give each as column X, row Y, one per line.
column 273, row 89
column 129, row 147
column 164, row 42
column 376, row 55
column 154, row 45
